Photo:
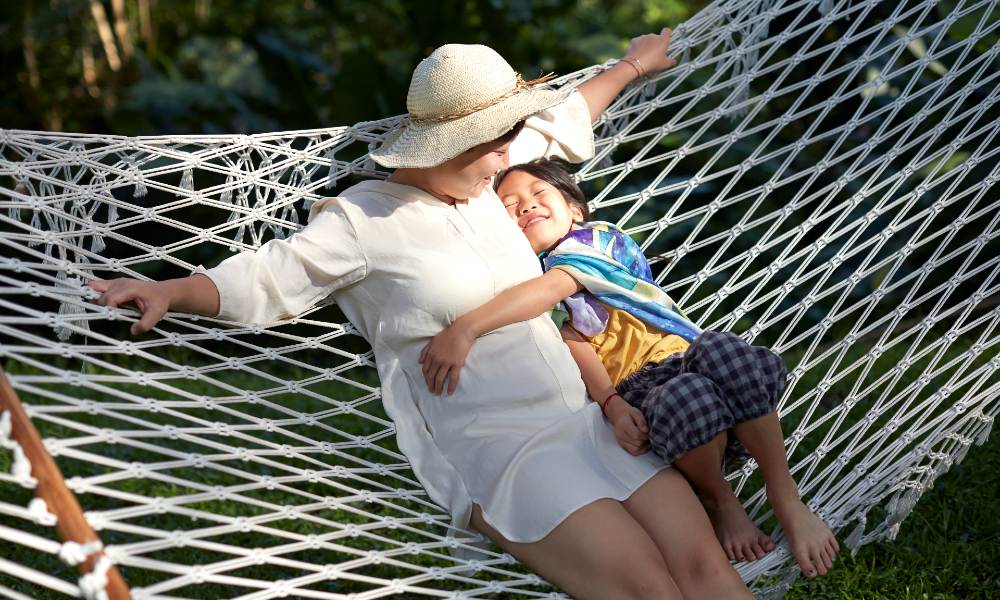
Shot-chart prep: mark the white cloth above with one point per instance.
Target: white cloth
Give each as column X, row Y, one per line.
column 518, row 437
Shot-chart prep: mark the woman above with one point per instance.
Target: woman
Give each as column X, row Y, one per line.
column 517, row 452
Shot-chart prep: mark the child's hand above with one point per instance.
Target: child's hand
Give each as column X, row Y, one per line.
column 444, row 356
column 630, row 426
column 147, row 296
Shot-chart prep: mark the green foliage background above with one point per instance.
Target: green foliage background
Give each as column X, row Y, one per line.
column 214, row 66
column 210, row 66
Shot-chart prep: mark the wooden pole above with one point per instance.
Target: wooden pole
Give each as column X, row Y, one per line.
column 71, row 526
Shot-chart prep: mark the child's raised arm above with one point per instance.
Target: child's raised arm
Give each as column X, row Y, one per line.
column 443, row 357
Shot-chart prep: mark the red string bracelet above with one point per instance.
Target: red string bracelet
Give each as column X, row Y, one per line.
column 604, row 404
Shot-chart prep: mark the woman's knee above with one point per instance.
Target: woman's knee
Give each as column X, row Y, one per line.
column 646, row 579
column 699, row 565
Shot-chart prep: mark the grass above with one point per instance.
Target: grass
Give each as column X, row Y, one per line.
column 949, row 547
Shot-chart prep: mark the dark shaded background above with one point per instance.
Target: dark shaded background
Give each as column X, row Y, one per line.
column 141, row 67
column 146, row 67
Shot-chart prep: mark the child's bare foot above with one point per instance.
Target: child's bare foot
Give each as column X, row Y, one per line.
column 740, row 538
column 810, row 540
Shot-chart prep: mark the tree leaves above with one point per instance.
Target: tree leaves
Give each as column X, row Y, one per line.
column 236, row 66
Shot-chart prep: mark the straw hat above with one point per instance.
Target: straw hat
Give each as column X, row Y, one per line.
column 460, row 96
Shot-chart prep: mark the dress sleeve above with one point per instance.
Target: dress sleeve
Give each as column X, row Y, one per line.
column 283, row 278
column 562, row 131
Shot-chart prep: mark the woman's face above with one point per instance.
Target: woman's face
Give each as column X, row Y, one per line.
column 540, row 210
column 469, row 173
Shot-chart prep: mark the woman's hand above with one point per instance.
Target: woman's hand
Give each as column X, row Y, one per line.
column 630, row 426
column 646, row 54
column 444, row 356
column 651, row 51
column 149, row 297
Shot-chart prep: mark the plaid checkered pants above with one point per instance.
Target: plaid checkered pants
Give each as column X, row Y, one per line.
column 692, row 396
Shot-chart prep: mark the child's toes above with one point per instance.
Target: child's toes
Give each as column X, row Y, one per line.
column 757, row 550
column 832, row 550
column 827, row 559
column 820, row 564
column 740, row 552
column 805, row 564
column 730, row 552
column 765, row 542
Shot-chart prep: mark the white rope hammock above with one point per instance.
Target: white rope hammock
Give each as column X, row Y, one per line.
column 220, row 459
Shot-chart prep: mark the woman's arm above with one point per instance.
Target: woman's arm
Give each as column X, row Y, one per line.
column 564, row 130
column 443, row 357
column 194, row 294
column 630, row 426
column 282, row 278
column 649, row 51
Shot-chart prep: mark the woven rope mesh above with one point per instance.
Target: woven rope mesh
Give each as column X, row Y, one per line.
column 221, row 459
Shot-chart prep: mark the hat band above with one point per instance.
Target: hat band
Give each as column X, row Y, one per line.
column 521, row 84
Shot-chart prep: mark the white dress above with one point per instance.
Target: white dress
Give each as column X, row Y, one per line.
column 519, row 437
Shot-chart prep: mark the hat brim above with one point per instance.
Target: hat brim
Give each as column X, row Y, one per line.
column 423, row 145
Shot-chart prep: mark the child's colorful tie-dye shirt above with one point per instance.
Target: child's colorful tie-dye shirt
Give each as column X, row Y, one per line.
column 616, row 278
column 613, row 271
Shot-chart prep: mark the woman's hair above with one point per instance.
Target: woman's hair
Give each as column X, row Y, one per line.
column 510, row 135
column 556, row 173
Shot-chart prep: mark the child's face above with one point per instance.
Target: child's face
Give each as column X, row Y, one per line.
column 540, row 210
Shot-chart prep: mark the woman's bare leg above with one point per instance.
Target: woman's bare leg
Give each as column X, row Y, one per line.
column 740, row 538
column 598, row 552
column 672, row 516
column 810, row 540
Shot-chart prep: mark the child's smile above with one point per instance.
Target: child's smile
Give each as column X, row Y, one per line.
column 539, row 209
column 530, row 219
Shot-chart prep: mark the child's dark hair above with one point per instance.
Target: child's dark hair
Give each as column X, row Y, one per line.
column 556, row 173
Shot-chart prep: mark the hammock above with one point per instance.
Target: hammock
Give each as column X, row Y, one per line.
column 218, row 459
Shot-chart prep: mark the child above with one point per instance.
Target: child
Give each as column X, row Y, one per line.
column 708, row 397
